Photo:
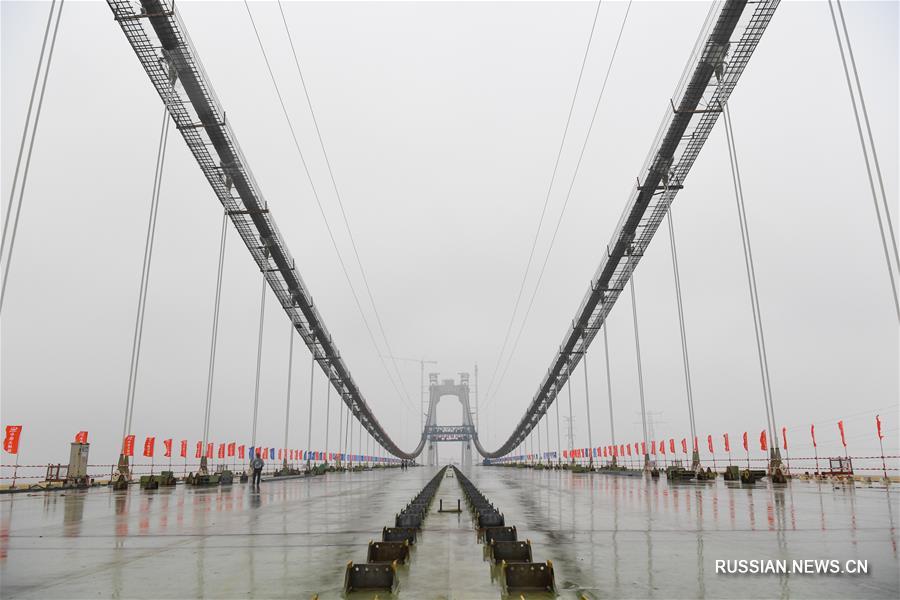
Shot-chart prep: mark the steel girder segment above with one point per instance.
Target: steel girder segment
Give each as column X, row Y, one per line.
column 717, row 65
column 167, row 55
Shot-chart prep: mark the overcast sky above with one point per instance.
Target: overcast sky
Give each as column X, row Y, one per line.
column 442, row 122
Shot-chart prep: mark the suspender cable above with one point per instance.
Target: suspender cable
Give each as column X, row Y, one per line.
column 214, row 336
column 312, row 378
column 612, row 426
column 587, row 403
column 287, row 403
column 34, row 126
column 751, row 285
column 695, row 457
column 569, row 388
column 137, row 337
column 259, row 347
column 341, row 432
column 640, row 370
column 540, row 449
column 327, row 416
column 865, row 151
column 547, row 433
column 558, row 438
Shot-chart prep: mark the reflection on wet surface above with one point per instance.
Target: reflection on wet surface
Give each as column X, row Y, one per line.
column 608, row 536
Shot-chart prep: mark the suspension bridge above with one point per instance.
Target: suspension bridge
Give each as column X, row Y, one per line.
column 551, row 493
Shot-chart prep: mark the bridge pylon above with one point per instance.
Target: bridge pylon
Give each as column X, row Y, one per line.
column 463, row 433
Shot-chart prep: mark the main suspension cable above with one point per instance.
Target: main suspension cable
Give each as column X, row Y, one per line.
column 340, row 201
column 865, row 152
column 537, row 232
column 34, row 126
column 562, row 212
column 319, row 204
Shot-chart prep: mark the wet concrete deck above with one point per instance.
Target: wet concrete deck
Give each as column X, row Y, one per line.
column 608, row 537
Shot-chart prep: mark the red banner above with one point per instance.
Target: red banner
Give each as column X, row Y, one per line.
column 812, row 432
column 128, row 448
column 241, row 451
column 672, row 445
column 878, row 425
column 653, row 447
column 11, row 441
column 231, row 449
column 148, row 446
column 221, row 450
column 727, row 444
column 628, row 449
column 762, row 441
column 81, row 437
column 745, row 442
column 709, row 443
column 199, row 450
column 209, row 450
column 784, row 436
column 644, row 448
column 843, row 439
column 684, row 445
column 662, row 447
column 167, row 444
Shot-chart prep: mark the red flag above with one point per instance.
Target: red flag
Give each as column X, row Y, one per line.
column 199, row 450
column 231, row 449
column 209, row 450
column 628, row 449
column 878, row 424
column 644, row 448
column 605, row 451
column 672, row 445
column 843, row 439
column 684, row 445
column 11, row 441
column 168, row 446
column 662, row 447
column 128, row 449
column 745, row 442
column 81, row 437
column 812, row 432
column 565, row 454
column 241, row 451
column 623, row 450
column 784, row 436
column 148, row 446
column 183, row 448
column 709, row 443
column 727, row 445
column 762, row 440
column 653, row 447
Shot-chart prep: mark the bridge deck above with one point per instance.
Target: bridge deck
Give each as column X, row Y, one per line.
column 607, row 536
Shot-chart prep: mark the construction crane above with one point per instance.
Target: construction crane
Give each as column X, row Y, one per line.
column 422, row 362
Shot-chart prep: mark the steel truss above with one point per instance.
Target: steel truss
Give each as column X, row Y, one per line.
column 173, row 65
column 716, row 66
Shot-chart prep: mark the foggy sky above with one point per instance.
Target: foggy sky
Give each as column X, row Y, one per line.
column 442, row 122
